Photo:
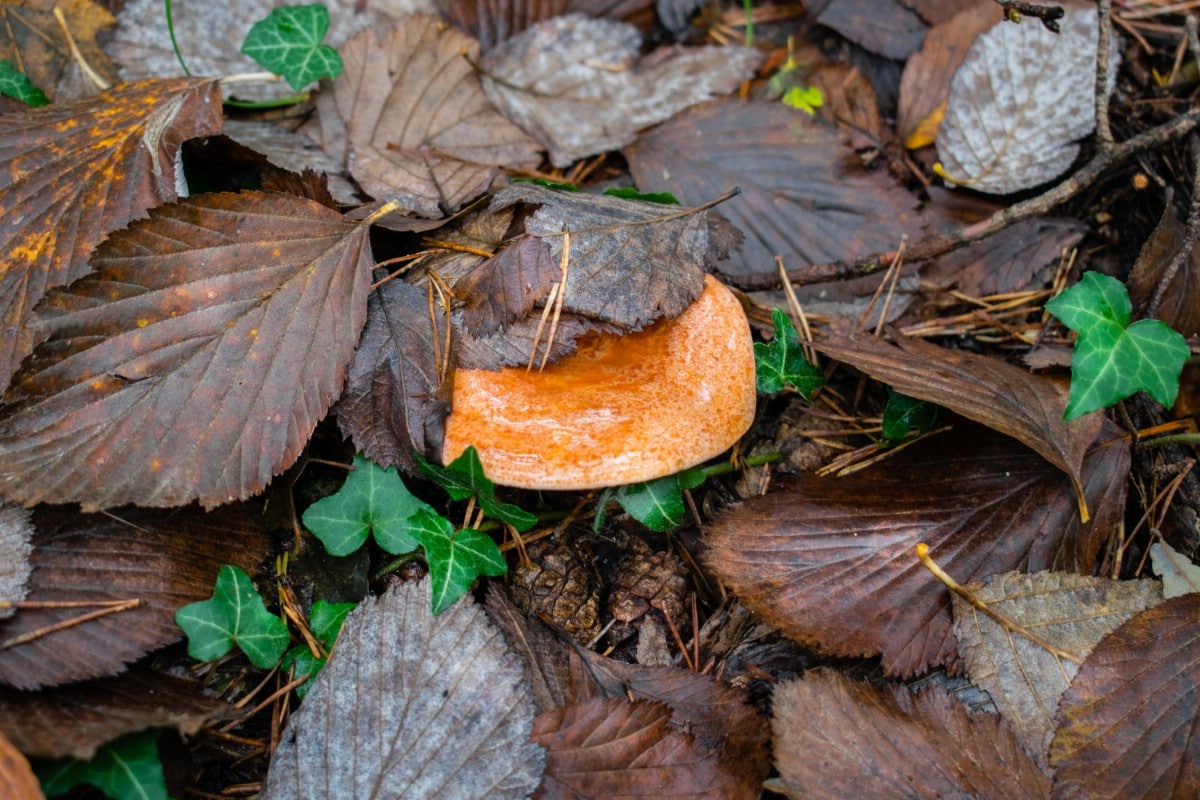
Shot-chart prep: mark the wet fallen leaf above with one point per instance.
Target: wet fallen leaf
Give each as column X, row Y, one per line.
column 395, row 401
column 194, row 363
column 16, row 529
column 493, row 21
column 885, row 28
column 436, row 147
column 17, row 781
column 162, row 559
column 829, row 561
column 33, row 39
column 1157, row 253
column 1005, row 398
column 837, row 738
column 1127, row 725
column 1024, row 679
column 73, row 721
column 577, row 86
column 801, row 198
column 1019, row 104
column 616, row 748
column 411, row 705
column 71, row 173
column 925, row 83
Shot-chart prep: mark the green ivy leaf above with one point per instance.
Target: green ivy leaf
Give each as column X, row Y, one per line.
column 1113, row 359
column 464, row 477
column 372, row 500
column 455, row 559
column 904, row 414
column 234, row 615
column 658, row 504
column 325, row 622
column 288, row 43
column 629, row 193
column 14, row 83
column 127, row 768
column 781, row 362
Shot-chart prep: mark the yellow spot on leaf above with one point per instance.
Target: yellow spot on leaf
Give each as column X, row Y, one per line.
column 142, row 322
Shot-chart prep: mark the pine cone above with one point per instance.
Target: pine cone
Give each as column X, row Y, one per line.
column 648, row 580
column 560, row 586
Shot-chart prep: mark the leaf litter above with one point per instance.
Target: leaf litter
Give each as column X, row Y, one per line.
column 811, row 193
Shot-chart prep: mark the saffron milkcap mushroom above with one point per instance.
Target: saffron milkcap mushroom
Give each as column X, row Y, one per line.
column 620, row 409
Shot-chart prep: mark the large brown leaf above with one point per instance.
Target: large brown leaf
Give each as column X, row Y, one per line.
column 1024, row 679
column 16, row 529
column 617, row 748
column 71, row 173
column 73, row 721
column 394, row 403
column 885, row 27
column 830, row 562
column 576, row 84
column 836, row 738
column 409, row 118
column 195, row 362
column 411, row 705
column 1005, row 398
column 493, row 21
column 164, row 559
column 1129, row 725
column 801, row 199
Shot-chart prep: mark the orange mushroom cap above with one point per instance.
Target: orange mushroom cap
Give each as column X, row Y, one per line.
column 621, row 409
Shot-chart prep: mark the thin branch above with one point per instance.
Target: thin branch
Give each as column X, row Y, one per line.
column 1014, row 10
column 1104, row 137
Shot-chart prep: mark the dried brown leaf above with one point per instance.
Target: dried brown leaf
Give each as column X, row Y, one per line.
column 409, row 118
column 544, row 654
column 411, row 705
column 71, row 173
column 616, row 748
column 73, row 721
column 1178, row 309
column 925, row 83
column 630, row 262
column 885, row 27
column 165, row 559
column 512, row 346
column 493, row 21
column 1127, row 726
column 716, row 714
column 1024, row 679
column 16, row 529
column 34, row 41
column 1180, row 575
column 996, row 394
column 394, row 402
column 802, row 197
column 830, row 561
column 17, row 781
column 506, row 286
column 837, row 738
column 577, row 86
column 194, row 363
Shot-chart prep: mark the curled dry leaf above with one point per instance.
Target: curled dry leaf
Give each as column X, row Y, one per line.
column 395, row 400
column 575, row 83
column 16, row 529
column 616, row 748
column 1178, row 308
column 1127, row 725
column 1022, row 99
column 1005, row 398
column 411, row 705
column 1070, row 611
column 836, row 738
column 802, row 198
column 163, row 559
column 409, row 118
column 194, row 363
column 73, row 721
column 71, row 173
column 830, row 562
